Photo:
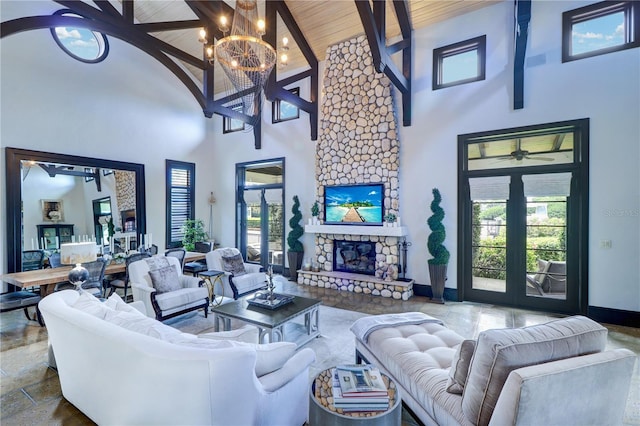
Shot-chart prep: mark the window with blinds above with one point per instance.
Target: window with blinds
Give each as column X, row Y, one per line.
column 180, row 199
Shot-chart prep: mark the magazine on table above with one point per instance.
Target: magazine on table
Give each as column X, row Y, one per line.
column 340, row 401
column 361, row 380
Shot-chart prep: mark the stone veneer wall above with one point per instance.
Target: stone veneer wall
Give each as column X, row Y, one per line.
column 358, row 144
column 125, row 192
column 358, row 140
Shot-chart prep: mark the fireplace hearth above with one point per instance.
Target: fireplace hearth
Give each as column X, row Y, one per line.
column 358, row 257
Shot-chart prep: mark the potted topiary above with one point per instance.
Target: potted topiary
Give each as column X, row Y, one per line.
column 439, row 253
column 193, row 233
column 315, row 211
column 296, row 250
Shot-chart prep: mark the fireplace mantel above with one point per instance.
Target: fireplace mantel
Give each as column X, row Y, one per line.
column 383, row 231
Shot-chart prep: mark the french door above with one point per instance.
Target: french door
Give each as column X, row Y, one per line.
column 260, row 212
column 524, row 218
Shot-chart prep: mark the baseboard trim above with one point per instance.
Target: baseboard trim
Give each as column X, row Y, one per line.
column 425, row 290
column 614, row 316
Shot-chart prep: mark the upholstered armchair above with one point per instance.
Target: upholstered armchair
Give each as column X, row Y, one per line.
column 159, row 283
column 240, row 278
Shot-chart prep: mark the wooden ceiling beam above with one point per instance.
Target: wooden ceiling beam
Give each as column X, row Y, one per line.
column 275, row 89
column 522, row 18
column 374, row 23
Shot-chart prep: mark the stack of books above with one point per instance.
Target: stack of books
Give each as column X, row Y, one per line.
column 359, row 388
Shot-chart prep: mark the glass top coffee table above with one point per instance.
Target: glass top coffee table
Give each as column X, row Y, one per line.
column 296, row 322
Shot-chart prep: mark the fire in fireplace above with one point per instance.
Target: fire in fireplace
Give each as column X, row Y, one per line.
column 358, row 257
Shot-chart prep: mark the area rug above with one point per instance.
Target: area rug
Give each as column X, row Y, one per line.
column 334, row 346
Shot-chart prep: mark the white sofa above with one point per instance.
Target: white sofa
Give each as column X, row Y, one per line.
column 556, row 373
column 117, row 376
column 236, row 285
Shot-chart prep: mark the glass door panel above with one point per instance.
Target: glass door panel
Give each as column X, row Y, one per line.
column 489, row 245
column 253, row 212
column 275, row 223
column 546, row 234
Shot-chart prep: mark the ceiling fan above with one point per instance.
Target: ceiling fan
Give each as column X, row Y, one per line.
column 520, row 154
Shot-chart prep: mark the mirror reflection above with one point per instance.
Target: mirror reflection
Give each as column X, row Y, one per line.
column 56, row 198
column 65, row 203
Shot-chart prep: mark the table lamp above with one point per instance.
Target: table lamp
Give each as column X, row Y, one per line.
column 78, row 253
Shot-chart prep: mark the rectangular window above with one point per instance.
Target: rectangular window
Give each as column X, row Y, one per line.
column 600, row 28
column 459, row 63
column 230, row 125
column 180, row 197
column 284, row 111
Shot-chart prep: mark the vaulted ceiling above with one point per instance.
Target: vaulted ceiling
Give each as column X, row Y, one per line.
column 323, row 23
column 169, row 31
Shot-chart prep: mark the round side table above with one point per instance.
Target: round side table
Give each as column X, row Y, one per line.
column 323, row 413
column 211, row 278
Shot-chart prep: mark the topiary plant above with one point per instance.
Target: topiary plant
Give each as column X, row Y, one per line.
column 436, row 238
column 296, row 230
column 315, row 209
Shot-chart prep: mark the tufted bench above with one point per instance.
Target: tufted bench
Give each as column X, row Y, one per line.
column 509, row 375
column 418, row 357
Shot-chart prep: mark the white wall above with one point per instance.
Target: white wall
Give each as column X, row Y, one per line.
column 126, row 108
column 51, row 102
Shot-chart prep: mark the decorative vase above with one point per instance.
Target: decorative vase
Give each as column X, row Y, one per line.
column 438, row 276
column 295, row 262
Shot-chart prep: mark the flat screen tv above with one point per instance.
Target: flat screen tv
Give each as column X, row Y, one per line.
column 354, row 204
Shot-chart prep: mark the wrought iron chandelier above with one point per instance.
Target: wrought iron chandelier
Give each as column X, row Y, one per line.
column 245, row 58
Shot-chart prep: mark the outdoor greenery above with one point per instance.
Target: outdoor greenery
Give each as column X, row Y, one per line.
column 296, row 230
column 546, row 237
column 194, row 232
column 439, row 253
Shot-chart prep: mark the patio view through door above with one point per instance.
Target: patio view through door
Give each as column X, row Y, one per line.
column 260, row 212
column 523, row 207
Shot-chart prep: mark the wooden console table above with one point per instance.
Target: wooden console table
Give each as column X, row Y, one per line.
column 47, row 279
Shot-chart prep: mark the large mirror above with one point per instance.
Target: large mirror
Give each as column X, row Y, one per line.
column 56, row 198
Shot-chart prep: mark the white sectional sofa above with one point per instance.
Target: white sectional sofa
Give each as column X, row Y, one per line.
column 557, row 373
column 120, row 367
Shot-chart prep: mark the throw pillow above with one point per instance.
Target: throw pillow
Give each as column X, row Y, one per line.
column 88, row 303
column 165, row 279
column 144, row 325
column 116, row 303
column 233, row 264
column 499, row 352
column 460, row 367
column 269, row 357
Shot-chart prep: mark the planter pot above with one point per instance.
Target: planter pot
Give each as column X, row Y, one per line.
column 438, row 276
column 295, row 262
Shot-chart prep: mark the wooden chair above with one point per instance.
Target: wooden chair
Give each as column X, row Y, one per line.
column 178, row 253
column 194, row 268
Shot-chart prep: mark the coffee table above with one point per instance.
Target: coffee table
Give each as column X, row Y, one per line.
column 322, row 411
column 279, row 325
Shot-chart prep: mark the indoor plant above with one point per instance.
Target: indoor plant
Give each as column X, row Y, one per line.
column 315, row 211
column 439, row 253
column 193, row 232
column 296, row 250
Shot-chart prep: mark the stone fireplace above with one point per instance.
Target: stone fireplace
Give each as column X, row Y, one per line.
column 358, row 144
column 358, row 257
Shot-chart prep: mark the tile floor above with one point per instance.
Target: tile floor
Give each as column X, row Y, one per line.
column 30, row 392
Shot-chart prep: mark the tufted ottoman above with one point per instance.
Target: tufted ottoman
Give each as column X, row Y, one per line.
column 416, row 350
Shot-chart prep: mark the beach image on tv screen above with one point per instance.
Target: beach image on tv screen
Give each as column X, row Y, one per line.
column 354, row 204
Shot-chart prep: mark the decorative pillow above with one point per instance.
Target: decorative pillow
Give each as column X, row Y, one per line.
column 247, row 334
column 116, row 303
column 460, row 367
column 144, row 325
column 498, row 352
column 165, row 279
column 90, row 304
column 233, row 264
column 269, row 357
